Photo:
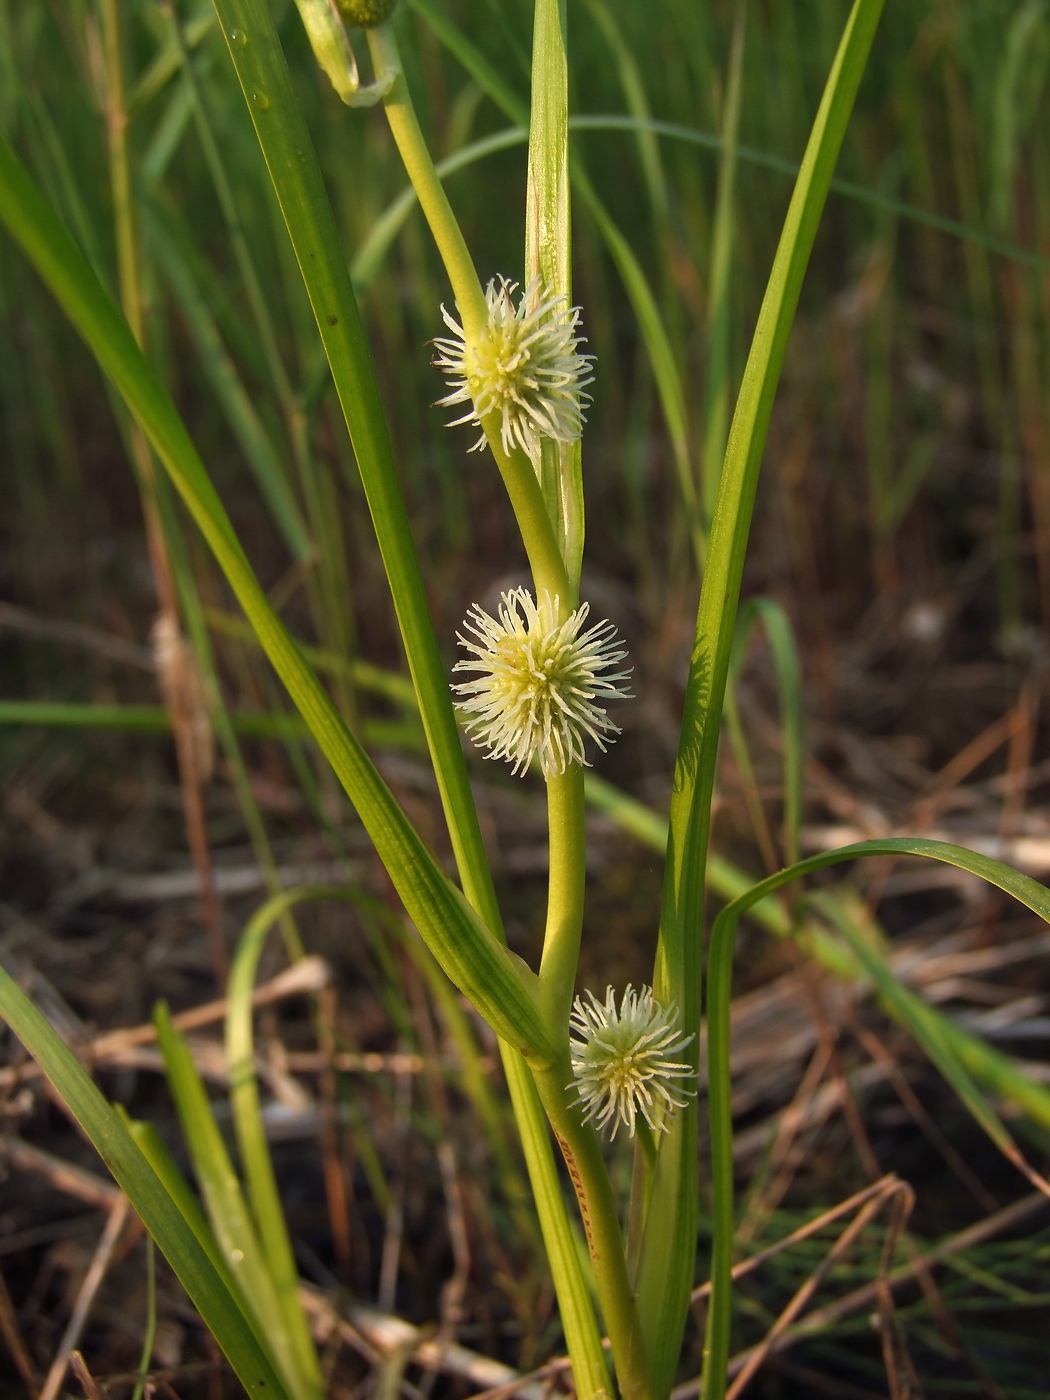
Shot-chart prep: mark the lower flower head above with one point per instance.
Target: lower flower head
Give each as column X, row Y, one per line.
column 525, row 365
column 626, row 1060
column 538, row 682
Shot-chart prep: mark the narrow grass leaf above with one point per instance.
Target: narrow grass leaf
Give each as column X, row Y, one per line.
column 254, row 1150
column 719, row 281
column 221, row 1310
column 153, row 719
column 633, row 88
column 228, row 1213
column 666, row 1268
column 849, row 189
column 548, row 257
column 230, row 392
column 152, row 1146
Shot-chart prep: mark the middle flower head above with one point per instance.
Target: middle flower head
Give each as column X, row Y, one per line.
column 524, row 365
column 538, row 682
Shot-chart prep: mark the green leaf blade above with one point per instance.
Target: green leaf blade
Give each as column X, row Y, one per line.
column 159, row 1213
column 667, row 1264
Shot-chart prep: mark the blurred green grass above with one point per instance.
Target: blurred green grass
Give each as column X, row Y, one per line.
column 916, row 348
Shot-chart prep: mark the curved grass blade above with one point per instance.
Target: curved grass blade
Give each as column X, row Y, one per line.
column 925, row 1026
column 909, row 1009
column 153, row 719
column 1002, row 1076
column 247, row 1116
column 387, row 226
column 474, row 959
column 228, row 1213
column 849, row 189
column 219, row 1308
column 633, row 90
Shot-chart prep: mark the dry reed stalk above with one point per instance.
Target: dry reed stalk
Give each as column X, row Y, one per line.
column 12, row 1335
column 881, row 1055
column 85, row 1299
column 92, row 1389
column 743, row 1367
column 337, row 1183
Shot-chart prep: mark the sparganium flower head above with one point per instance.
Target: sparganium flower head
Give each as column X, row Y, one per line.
column 538, row 682
column 627, row 1060
column 525, row 365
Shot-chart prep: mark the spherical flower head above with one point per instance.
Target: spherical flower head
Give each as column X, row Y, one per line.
column 525, row 365
column 538, row 682
column 627, row 1060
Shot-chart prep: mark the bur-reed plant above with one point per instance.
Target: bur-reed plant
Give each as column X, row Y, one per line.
column 541, row 675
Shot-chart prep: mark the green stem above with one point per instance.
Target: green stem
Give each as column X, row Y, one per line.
column 519, row 475
column 533, row 519
column 590, row 1374
column 720, row 1117
column 582, row 1152
column 404, row 126
column 565, row 891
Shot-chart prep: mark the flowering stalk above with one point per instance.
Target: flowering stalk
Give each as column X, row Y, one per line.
column 519, row 478
column 551, row 578
column 583, row 1157
column 536, row 693
column 539, row 408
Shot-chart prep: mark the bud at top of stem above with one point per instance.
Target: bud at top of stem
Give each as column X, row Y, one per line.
column 365, row 14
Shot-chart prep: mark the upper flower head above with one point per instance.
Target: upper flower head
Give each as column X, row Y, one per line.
column 524, row 365
column 538, row 681
column 625, row 1061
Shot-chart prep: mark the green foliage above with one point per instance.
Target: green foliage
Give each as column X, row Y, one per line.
column 232, row 1324
column 341, row 209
